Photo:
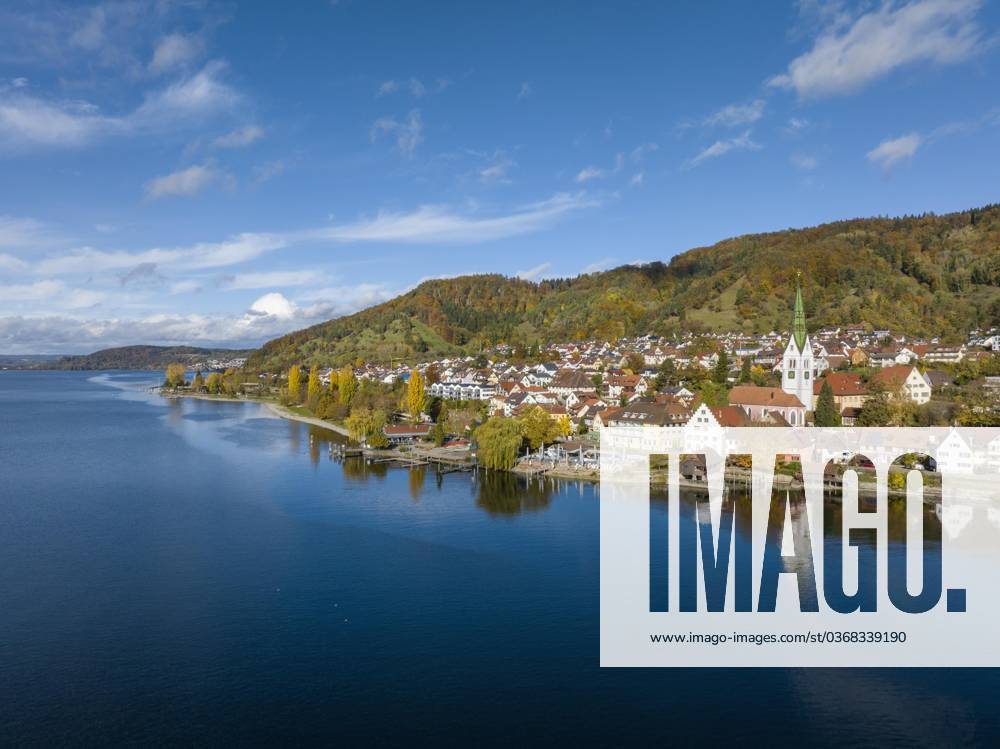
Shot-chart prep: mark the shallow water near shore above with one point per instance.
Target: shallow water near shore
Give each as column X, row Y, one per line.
column 187, row 571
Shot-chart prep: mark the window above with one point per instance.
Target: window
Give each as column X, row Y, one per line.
column 805, row 375
column 791, row 375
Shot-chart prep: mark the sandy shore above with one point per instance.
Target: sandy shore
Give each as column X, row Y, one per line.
column 274, row 408
column 284, row 413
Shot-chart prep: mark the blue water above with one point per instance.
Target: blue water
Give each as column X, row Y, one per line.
column 200, row 572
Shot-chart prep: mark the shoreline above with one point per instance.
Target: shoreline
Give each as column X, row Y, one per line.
column 274, row 408
column 284, row 413
column 563, row 473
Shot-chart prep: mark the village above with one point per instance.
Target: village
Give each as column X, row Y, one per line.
column 559, row 397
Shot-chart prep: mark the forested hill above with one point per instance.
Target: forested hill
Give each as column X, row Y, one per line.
column 144, row 357
column 923, row 275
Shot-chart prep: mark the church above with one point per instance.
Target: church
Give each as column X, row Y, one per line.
column 798, row 366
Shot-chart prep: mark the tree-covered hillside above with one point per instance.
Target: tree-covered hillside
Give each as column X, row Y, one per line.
column 923, row 275
column 143, row 357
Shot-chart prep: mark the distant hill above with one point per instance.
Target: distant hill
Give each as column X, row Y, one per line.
column 143, row 357
column 922, row 275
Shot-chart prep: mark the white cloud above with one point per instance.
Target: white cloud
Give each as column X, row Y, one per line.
column 533, row 274
column 387, row 87
column 50, row 292
column 273, row 305
column 240, row 137
column 198, row 95
column 19, row 82
column 721, row 147
column 641, row 151
column 174, row 51
column 847, row 57
column 525, row 90
column 186, row 287
column 27, row 120
column 796, row 125
column 24, row 233
column 11, row 264
column 32, row 121
column 184, row 182
column 409, row 133
column 599, row 265
column 589, row 173
column 232, row 251
column 889, row 153
column 737, row 114
column 804, row 161
column 637, row 179
column 272, row 279
column 268, row 170
column 440, row 225
column 270, row 315
column 496, row 173
column 415, row 86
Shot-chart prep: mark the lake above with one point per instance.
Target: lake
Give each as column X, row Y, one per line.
column 185, row 571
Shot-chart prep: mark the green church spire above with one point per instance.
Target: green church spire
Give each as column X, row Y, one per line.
column 799, row 327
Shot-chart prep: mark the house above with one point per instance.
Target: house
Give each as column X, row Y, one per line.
column 938, row 379
column 760, row 403
column 848, row 389
column 693, row 469
column 904, row 381
column 652, row 414
column 402, row 433
column 569, row 381
column 945, row 354
column 604, row 418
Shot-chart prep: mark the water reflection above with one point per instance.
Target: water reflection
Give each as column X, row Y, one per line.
column 500, row 493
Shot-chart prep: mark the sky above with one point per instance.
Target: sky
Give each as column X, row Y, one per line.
column 222, row 173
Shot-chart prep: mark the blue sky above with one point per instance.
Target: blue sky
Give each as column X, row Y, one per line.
column 188, row 172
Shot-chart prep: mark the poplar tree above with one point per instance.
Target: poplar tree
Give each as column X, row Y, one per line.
column 416, row 395
column 313, row 388
column 347, row 385
column 294, row 384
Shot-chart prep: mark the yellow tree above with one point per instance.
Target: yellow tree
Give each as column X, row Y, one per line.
column 347, row 385
column 294, row 384
column 564, row 425
column 313, row 389
column 416, row 395
column 175, row 375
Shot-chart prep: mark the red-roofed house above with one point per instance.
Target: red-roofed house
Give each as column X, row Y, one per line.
column 760, row 403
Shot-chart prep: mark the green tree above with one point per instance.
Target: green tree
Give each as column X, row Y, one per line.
column 438, row 434
column 295, row 384
column 198, row 384
column 745, row 370
column 826, row 413
column 876, row 411
column 666, row 376
column 721, row 372
column 347, row 384
column 175, row 375
column 498, row 440
column 314, row 387
column 416, row 395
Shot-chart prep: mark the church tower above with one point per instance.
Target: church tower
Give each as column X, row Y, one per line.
column 798, row 370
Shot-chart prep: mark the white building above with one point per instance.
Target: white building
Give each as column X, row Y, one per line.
column 798, row 369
